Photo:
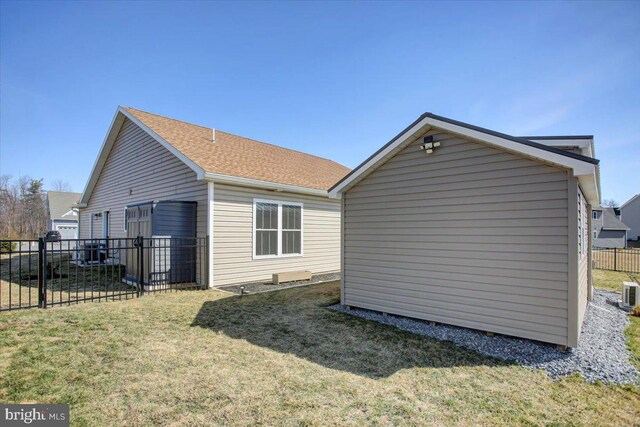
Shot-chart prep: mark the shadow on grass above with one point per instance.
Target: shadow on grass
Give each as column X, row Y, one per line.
column 295, row 321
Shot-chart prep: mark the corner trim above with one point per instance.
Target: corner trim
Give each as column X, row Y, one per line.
column 573, row 329
column 210, row 229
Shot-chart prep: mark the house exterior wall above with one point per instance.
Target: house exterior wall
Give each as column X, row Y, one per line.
column 139, row 169
column 606, row 238
column 470, row 235
column 233, row 236
column 630, row 215
column 610, row 239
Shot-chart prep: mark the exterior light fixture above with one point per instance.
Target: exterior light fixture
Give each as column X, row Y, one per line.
column 428, row 145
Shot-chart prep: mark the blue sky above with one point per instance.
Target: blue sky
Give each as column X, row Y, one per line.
column 333, row 79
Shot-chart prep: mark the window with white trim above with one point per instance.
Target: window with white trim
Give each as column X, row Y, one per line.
column 277, row 228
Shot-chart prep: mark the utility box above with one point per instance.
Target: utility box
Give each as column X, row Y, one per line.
column 168, row 229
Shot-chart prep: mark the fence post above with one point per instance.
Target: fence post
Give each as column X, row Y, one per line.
column 42, row 273
column 139, row 243
column 615, row 259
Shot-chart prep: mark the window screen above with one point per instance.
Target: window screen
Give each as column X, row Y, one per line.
column 291, row 229
column 266, row 229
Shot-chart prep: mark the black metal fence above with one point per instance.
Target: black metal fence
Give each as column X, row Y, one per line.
column 41, row 274
column 617, row 259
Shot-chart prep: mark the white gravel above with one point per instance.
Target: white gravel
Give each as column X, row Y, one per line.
column 601, row 354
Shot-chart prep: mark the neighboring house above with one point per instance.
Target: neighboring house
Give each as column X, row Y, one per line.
column 265, row 208
column 61, row 214
column 607, row 229
column 457, row 224
column 630, row 215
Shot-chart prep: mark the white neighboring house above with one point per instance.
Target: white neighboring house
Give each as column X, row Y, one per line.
column 630, row 215
column 61, row 214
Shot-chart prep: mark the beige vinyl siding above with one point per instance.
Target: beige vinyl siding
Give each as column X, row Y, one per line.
column 233, row 231
column 469, row 235
column 139, row 164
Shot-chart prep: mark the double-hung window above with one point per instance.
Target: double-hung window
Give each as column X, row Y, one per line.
column 277, row 229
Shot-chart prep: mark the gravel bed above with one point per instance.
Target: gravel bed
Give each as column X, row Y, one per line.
column 601, row 354
column 256, row 288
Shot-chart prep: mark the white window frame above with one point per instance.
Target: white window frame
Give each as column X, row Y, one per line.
column 126, row 225
column 279, row 254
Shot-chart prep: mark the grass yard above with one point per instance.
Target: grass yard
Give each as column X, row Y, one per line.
column 612, row 280
column 19, row 280
column 206, row 357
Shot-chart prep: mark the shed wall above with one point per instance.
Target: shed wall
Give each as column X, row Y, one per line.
column 469, row 235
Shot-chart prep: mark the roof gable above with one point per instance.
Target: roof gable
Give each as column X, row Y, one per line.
column 579, row 164
column 611, row 222
column 59, row 203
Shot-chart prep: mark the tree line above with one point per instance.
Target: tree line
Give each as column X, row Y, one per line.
column 23, row 210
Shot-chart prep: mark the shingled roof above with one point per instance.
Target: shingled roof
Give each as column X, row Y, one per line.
column 60, row 203
column 237, row 156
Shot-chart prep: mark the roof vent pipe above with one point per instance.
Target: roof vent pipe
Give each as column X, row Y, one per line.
column 213, row 136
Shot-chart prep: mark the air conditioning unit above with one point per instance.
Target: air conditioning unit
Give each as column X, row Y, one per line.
column 630, row 294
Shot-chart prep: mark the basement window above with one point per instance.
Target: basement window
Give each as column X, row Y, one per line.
column 277, row 229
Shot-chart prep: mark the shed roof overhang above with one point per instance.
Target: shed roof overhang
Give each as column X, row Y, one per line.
column 583, row 167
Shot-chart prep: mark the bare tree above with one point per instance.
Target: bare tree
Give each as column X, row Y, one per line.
column 60, row 185
column 610, row 203
column 23, row 213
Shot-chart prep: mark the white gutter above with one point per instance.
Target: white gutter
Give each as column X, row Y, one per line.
column 267, row 185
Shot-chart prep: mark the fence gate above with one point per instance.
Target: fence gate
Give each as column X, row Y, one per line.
column 41, row 273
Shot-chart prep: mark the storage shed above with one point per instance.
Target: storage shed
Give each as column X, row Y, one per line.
column 457, row 224
column 169, row 229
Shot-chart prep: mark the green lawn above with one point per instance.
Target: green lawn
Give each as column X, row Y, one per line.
column 207, row 357
column 612, row 280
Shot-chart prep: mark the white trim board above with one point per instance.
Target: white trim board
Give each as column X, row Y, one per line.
column 210, row 230
column 584, row 170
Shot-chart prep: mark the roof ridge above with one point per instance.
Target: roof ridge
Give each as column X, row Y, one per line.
column 279, row 146
column 169, row 118
column 236, row 135
column 556, row 137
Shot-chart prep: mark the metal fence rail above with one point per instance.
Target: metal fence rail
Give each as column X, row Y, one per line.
column 40, row 273
column 617, row 259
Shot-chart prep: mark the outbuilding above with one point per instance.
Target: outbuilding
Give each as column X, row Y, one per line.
column 457, row 224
